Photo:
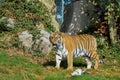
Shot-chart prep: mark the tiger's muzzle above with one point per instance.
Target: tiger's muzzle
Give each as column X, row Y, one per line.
column 54, row 44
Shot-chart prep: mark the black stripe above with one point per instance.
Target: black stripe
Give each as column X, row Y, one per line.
column 59, row 59
column 58, row 54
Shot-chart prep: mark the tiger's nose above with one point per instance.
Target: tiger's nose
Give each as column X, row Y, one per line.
column 54, row 44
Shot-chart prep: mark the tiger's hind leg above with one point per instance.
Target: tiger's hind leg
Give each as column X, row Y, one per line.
column 89, row 63
column 96, row 62
column 96, row 59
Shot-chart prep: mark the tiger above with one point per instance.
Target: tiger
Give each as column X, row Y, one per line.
column 71, row 46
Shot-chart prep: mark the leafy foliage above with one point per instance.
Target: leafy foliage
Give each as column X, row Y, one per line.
column 26, row 14
column 107, row 7
column 108, row 20
column 106, row 27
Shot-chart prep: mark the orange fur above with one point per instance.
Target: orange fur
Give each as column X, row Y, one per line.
column 83, row 41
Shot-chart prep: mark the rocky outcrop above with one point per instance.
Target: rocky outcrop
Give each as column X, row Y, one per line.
column 50, row 4
column 76, row 17
column 40, row 44
column 52, row 9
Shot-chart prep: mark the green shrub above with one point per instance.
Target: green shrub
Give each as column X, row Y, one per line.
column 26, row 14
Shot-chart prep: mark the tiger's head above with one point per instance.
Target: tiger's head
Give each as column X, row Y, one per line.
column 55, row 38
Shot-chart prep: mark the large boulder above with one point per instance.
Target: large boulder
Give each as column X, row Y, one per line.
column 76, row 17
column 42, row 43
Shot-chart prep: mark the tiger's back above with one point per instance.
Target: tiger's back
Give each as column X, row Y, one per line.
column 83, row 41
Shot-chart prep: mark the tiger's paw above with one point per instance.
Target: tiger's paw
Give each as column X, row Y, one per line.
column 70, row 69
column 57, row 67
column 96, row 67
column 88, row 66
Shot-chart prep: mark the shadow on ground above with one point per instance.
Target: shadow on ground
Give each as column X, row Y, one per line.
column 63, row 64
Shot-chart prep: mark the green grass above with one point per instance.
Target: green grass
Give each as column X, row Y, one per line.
column 62, row 76
column 18, row 67
column 55, row 77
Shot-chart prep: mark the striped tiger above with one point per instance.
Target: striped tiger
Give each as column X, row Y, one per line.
column 74, row 46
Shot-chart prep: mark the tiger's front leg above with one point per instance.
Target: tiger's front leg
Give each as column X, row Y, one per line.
column 58, row 59
column 70, row 61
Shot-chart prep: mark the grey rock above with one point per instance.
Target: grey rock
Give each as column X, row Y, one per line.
column 46, row 45
column 10, row 23
column 7, row 23
column 26, row 38
column 76, row 17
column 44, row 33
column 42, row 43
